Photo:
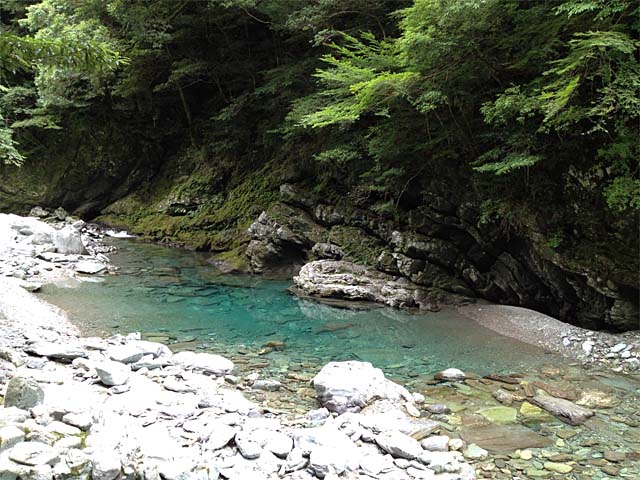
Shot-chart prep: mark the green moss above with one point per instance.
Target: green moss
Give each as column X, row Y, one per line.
column 356, row 244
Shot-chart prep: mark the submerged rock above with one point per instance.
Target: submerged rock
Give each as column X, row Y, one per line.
column 565, row 410
column 90, row 267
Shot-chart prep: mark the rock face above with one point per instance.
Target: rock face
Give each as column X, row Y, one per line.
column 449, row 249
column 274, row 247
column 350, row 281
column 24, row 393
column 350, row 386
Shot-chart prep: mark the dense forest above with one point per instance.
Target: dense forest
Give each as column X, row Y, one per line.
column 504, row 130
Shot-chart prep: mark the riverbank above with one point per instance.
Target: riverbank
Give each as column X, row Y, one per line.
column 620, row 351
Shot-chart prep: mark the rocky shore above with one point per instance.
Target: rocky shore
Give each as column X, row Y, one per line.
column 123, row 407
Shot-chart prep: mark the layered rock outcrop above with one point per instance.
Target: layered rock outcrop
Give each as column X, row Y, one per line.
column 444, row 248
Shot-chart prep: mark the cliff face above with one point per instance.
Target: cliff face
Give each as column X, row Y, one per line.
column 254, row 221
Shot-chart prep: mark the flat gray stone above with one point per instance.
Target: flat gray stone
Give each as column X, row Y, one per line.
column 399, row 445
column 33, row 453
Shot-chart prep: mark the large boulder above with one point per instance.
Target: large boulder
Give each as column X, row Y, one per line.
column 23, row 392
column 350, row 281
column 350, row 386
column 69, row 241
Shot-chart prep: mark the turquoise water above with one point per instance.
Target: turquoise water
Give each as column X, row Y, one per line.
column 177, row 295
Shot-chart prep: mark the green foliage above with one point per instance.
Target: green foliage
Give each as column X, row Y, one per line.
column 574, row 81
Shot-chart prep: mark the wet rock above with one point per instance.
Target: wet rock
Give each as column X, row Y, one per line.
column 504, row 438
column 436, row 443
column 503, row 396
column 90, row 267
column 399, row 445
column 441, row 462
column 565, row 410
column 499, row 414
column 113, row 373
column 451, row 375
column 267, row 385
column 596, row 399
column 23, row 393
column 474, row 452
column 349, row 386
column 614, row 456
column 557, row 467
column 438, row 409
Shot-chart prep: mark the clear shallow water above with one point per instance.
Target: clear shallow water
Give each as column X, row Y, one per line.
column 174, row 293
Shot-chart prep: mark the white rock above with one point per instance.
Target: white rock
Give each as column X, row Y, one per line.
column 83, row 421
column 69, row 241
column 125, row 353
column 10, row 436
column 206, row 362
column 280, row 444
column 106, row 465
column 67, row 443
column 451, row 375
column 90, row 267
column 349, row 386
column 436, row 443
column 618, row 347
column 399, row 445
column 587, row 346
column 474, row 452
column 325, row 460
column 220, row 436
column 441, row 462
column 247, row 447
column 113, row 373
column 60, row 428
column 267, row 385
column 57, row 350
column 307, row 439
column 152, row 348
column 33, row 453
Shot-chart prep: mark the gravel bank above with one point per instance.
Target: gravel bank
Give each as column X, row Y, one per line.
column 621, row 352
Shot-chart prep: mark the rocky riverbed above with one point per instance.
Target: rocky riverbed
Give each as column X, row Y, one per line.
column 123, row 407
